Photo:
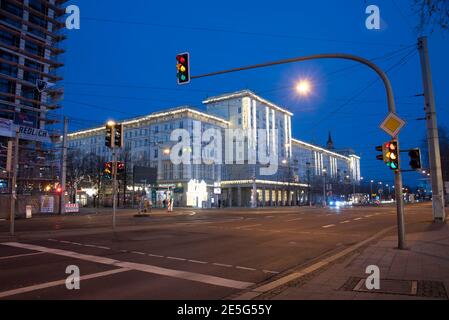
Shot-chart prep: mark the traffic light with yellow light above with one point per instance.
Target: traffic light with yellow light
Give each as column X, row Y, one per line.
column 415, row 159
column 392, row 155
column 107, row 171
column 183, row 67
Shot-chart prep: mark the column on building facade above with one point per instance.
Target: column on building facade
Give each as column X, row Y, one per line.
column 230, row 197
column 239, row 196
column 289, row 197
column 264, row 200
column 270, row 198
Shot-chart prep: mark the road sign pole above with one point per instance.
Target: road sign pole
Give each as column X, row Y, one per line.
column 400, row 205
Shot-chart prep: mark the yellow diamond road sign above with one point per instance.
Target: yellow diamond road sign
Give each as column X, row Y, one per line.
column 392, row 125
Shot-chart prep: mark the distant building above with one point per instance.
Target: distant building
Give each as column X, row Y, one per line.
column 147, row 141
column 29, row 38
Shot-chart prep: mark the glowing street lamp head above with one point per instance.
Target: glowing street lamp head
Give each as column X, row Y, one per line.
column 304, row 87
column 111, row 123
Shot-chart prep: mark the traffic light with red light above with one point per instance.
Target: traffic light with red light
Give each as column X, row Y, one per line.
column 121, row 169
column 415, row 159
column 183, row 67
column 392, row 155
column 59, row 190
column 107, row 171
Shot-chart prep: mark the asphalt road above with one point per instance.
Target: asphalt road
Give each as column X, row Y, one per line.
column 211, row 254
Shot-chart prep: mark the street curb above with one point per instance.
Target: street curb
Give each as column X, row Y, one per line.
column 295, row 276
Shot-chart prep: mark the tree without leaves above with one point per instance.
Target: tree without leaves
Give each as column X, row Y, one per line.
column 433, row 14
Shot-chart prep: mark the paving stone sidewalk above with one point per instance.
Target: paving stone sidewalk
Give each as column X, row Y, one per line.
column 424, row 267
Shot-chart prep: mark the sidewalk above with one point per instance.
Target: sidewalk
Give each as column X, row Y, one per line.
column 422, row 271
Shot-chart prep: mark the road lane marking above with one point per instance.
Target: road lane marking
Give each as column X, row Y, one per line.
column 222, row 265
column 177, row 259
column 179, row 274
column 343, row 222
column 358, row 219
column 173, row 258
column 369, row 216
column 245, row 268
column 21, row 255
column 297, row 219
column 328, row 226
column 197, row 261
column 248, row 226
column 57, row 283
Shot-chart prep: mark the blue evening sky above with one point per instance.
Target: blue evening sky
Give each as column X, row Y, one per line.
column 123, row 58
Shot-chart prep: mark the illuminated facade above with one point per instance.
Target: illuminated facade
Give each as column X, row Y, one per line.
column 300, row 165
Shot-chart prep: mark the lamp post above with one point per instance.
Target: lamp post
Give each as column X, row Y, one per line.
column 371, row 193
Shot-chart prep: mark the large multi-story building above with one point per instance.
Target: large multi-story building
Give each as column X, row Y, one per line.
column 250, row 127
column 29, row 59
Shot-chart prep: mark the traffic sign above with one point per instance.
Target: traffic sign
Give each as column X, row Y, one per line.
column 392, row 124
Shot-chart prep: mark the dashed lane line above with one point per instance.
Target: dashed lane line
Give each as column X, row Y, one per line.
column 297, row 219
column 328, row 226
column 178, row 274
column 245, row 268
column 197, row 261
column 344, row 222
column 159, row 256
column 176, row 258
column 358, row 219
column 222, row 265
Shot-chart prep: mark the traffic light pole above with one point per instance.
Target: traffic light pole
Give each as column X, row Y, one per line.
column 432, row 134
column 63, row 167
column 15, row 165
column 391, row 108
column 114, row 187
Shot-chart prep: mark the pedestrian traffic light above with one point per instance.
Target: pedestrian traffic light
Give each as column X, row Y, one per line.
column 392, row 155
column 107, row 171
column 109, row 139
column 415, row 159
column 183, row 67
column 118, row 135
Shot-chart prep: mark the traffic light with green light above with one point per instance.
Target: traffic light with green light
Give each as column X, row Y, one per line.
column 392, row 155
column 183, row 67
column 415, row 159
